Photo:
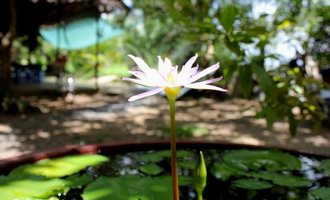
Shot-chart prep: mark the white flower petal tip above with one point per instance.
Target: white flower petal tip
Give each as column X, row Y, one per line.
column 145, row 94
column 168, row 76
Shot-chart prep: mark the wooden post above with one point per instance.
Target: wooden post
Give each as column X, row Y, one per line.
column 6, row 40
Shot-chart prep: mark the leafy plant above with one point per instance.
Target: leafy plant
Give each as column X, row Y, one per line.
column 46, row 178
column 243, row 40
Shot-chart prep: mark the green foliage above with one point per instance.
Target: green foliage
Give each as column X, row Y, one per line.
column 259, row 170
column 282, row 180
column 59, row 167
column 47, row 178
column 151, row 169
column 227, row 16
column 248, row 170
column 251, row 184
column 158, row 156
column 132, row 187
column 264, row 81
column 320, row 193
column 32, row 188
column 40, row 55
column 228, row 31
column 245, row 81
column 256, row 159
column 325, row 166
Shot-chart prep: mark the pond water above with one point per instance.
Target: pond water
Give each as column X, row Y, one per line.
column 233, row 174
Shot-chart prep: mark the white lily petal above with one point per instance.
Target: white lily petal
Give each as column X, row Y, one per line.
column 138, row 74
column 168, row 62
column 206, row 81
column 140, row 63
column 204, row 72
column 167, row 76
column 206, row 87
column 146, row 94
column 194, row 70
column 185, row 77
column 186, row 67
column 161, row 64
column 138, row 81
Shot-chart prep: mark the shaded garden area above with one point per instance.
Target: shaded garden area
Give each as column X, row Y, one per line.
column 190, row 99
column 102, row 118
column 273, row 54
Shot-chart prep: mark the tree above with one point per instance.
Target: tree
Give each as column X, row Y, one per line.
column 242, row 39
column 7, row 35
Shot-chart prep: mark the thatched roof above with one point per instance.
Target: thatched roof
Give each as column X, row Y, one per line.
column 31, row 14
column 51, row 11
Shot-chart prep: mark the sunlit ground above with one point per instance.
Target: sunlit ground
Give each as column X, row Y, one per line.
column 108, row 117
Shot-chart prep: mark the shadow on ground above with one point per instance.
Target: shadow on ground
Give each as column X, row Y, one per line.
column 102, row 118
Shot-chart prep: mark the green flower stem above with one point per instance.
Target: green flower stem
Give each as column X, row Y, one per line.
column 175, row 182
column 171, row 94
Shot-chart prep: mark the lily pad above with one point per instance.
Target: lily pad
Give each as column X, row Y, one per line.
column 59, row 167
column 151, row 169
column 291, row 181
column 262, row 159
column 326, row 166
column 252, row 184
column 152, row 157
column 38, row 188
column 283, row 180
column 157, row 156
column 77, row 180
column 320, row 193
column 187, row 164
column 130, row 187
column 222, row 171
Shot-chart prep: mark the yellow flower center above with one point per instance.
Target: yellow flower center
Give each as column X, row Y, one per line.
column 170, row 78
column 172, row 92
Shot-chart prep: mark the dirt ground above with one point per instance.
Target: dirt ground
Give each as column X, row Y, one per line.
column 103, row 117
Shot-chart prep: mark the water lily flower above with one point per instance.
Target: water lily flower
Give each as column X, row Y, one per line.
column 167, row 77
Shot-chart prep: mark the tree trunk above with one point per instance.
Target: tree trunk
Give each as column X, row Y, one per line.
column 6, row 40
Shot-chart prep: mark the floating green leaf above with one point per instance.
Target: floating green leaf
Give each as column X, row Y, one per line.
column 222, row 171
column 291, row 181
column 151, row 169
column 130, row 187
column 32, row 188
column 283, row 180
column 187, row 164
column 251, row 184
column 320, row 193
column 326, row 166
column 257, row 159
column 184, row 154
column 77, row 180
column 59, row 167
column 38, row 187
column 153, row 157
column 157, row 156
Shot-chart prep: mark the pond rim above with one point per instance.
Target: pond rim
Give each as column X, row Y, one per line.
column 6, row 165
